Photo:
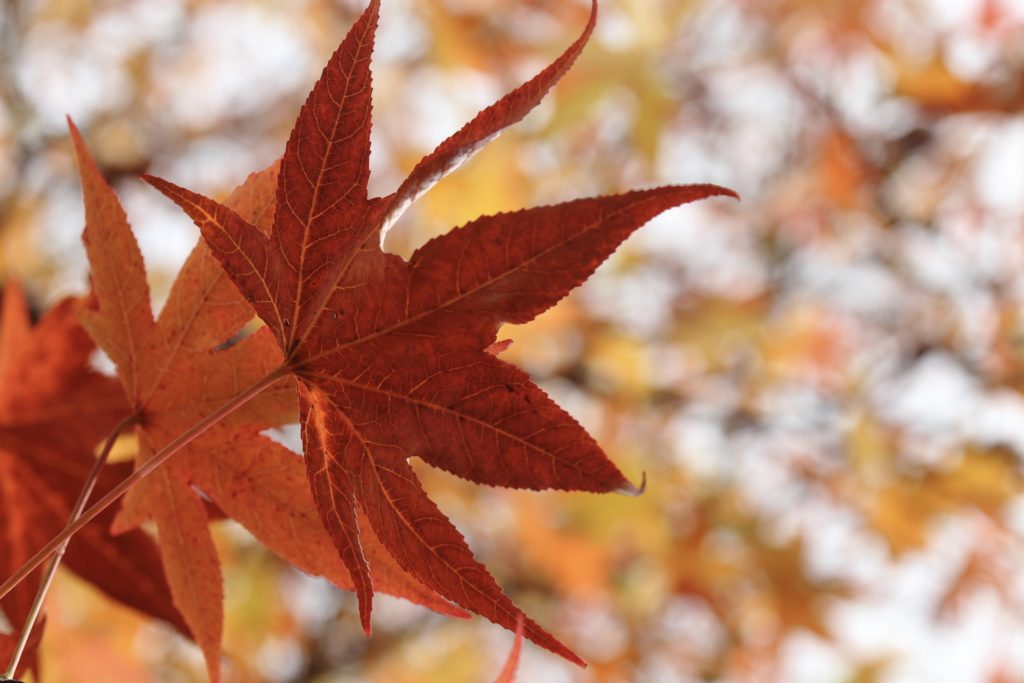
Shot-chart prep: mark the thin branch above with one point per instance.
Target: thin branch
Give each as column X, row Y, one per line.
column 159, row 458
column 51, row 571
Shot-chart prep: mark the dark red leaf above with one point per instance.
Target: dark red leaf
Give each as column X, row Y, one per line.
column 396, row 359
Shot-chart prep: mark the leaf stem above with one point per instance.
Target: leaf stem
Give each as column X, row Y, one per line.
column 159, row 458
column 58, row 555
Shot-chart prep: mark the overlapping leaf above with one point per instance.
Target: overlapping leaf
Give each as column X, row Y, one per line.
column 508, row 672
column 53, row 410
column 392, row 357
column 176, row 369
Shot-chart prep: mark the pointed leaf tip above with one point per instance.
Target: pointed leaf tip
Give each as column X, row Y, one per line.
column 499, row 347
column 483, row 128
column 708, row 190
column 632, row 490
column 322, row 192
column 726, row 192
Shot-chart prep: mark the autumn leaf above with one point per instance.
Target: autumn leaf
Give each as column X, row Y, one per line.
column 391, row 356
column 178, row 367
column 53, row 410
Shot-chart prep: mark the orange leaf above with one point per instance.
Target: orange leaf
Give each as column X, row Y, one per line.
column 178, row 368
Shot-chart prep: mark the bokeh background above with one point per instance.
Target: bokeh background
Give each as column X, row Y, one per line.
column 822, row 383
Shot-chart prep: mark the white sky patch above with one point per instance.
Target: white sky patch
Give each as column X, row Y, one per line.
column 857, row 285
column 211, row 165
column 936, row 261
column 999, row 419
column 951, row 14
column 61, row 239
column 166, row 235
column 61, row 73
column 806, row 658
column 400, row 35
column 936, row 397
column 441, row 103
column 205, row 83
column 999, row 171
column 615, row 31
column 126, row 28
column 896, row 619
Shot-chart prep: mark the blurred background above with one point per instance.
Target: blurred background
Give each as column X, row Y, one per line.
column 822, row 383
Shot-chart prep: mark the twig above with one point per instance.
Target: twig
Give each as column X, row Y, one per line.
column 51, row 571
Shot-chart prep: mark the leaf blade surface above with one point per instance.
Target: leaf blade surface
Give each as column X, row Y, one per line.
column 396, row 359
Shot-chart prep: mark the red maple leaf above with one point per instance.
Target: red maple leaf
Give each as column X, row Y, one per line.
column 392, row 357
column 53, row 410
